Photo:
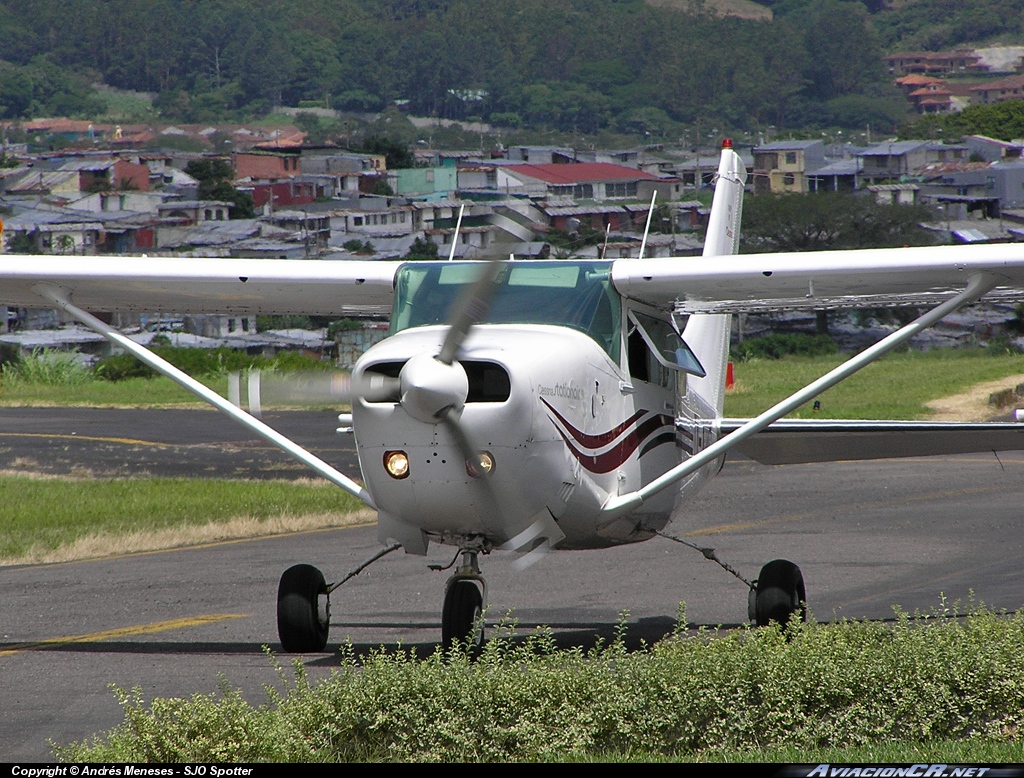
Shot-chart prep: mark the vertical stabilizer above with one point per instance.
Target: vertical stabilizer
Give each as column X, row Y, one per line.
column 708, row 335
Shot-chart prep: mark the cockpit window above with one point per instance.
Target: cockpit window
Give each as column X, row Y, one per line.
column 578, row 295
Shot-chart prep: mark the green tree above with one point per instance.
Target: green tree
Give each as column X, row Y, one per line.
column 843, row 53
column 210, row 169
column 397, row 154
column 1004, row 121
column 831, row 220
column 422, row 249
column 215, row 175
column 15, row 91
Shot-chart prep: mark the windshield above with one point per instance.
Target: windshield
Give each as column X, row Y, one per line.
column 578, row 295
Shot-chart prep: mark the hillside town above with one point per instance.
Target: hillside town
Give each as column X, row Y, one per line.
column 85, row 188
column 104, row 194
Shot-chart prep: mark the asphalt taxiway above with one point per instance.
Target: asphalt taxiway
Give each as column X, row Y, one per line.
column 868, row 536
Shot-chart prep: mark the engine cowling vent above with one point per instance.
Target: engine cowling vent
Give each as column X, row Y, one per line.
column 489, row 382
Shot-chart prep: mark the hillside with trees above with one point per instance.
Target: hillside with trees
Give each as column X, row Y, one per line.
column 569, row 65
column 577, row 65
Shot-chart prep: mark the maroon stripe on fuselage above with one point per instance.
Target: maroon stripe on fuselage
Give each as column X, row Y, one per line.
column 595, row 441
column 623, row 450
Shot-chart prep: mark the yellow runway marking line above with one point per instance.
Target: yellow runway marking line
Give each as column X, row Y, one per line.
column 153, row 443
column 722, row 528
column 126, row 441
column 121, row 632
column 928, row 583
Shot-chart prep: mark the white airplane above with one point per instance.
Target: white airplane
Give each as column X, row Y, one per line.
column 531, row 406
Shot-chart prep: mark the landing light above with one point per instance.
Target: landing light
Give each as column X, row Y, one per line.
column 396, row 463
column 484, row 465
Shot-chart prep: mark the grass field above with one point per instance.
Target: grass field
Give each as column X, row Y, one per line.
column 129, row 393
column 896, row 387
column 49, row 519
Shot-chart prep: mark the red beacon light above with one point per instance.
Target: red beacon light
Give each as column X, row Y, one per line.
column 727, row 143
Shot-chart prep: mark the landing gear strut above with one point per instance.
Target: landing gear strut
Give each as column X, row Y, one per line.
column 778, row 594
column 465, row 592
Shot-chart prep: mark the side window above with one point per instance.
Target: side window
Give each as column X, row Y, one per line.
column 639, row 355
column 657, row 352
column 642, row 364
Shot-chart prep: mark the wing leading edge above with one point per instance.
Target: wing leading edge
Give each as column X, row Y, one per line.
column 814, row 280
column 236, row 286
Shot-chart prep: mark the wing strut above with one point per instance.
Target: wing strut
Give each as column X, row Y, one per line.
column 618, row 506
column 56, row 296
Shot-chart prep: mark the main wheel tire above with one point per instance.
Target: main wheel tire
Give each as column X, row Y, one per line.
column 303, row 610
column 780, row 594
column 460, row 617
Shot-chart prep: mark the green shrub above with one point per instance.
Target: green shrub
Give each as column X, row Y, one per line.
column 917, row 680
column 343, row 325
column 778, row 345
column 10, row 354
column 295, row 322
column 204, row 362
column 48, row 367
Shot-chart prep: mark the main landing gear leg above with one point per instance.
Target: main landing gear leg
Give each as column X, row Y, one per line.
column 777, row 595
column 464, row 597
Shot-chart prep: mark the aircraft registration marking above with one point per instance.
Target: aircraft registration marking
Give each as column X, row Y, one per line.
column 138, row 629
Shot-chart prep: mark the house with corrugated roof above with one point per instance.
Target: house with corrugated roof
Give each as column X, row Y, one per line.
column 589, row 181
column 424, row 182
column 956, row 61
column 992, row 149
column 266, row 165
column 787, row 165
column 887, row 162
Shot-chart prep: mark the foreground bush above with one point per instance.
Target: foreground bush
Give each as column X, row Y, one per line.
column 814, row 686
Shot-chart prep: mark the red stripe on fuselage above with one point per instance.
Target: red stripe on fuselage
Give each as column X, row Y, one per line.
column 595, row 441
column 623, row 450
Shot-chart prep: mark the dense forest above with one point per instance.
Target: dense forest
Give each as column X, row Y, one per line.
column 572, row 65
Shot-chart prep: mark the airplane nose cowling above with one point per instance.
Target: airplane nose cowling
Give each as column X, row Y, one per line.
column 429, row 386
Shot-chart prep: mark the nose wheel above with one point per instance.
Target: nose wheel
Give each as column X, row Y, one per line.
column 462, row 613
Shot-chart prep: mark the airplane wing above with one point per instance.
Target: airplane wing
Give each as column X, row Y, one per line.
column 826, row 279
column 799, row 441
column 234, row 286
column 821, row 279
